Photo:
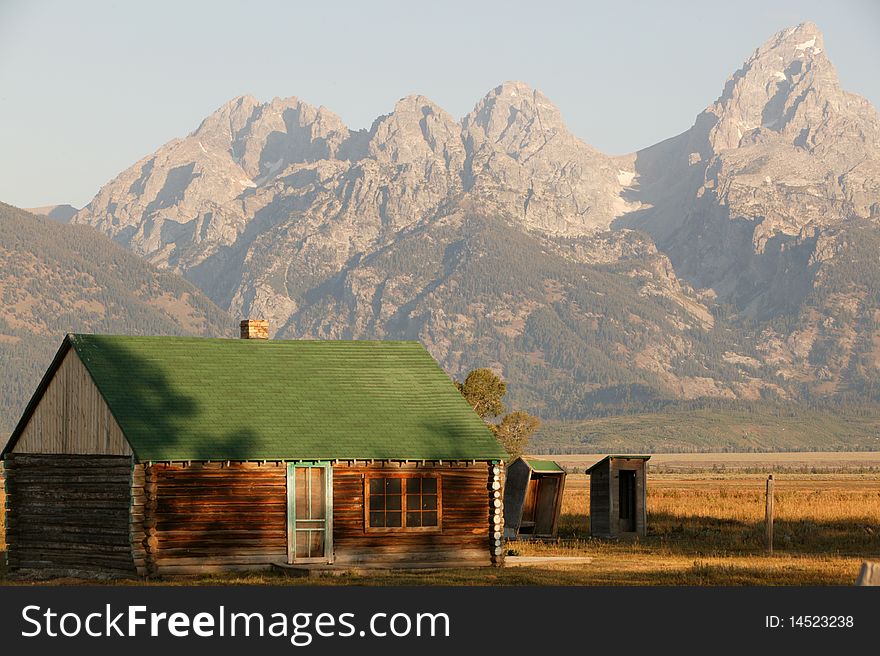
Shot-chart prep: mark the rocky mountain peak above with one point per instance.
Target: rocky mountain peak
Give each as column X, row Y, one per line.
column 265, row 138
column 416, row 102
column 221, row 127
column 288, row 131
column 417, row 129
column 514, row 116
column 524, row 163
column 784, row 90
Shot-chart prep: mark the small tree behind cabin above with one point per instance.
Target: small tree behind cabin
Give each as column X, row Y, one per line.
column 484, row 390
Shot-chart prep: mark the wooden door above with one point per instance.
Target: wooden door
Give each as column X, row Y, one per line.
column 309, row 513
column 528, row 512
column 545, row 508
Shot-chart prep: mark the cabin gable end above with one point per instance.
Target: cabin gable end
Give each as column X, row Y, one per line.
column 69, row 415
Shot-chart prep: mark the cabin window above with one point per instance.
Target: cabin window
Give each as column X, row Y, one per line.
column 402, row 503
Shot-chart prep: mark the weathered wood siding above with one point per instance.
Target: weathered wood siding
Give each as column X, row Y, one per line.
column 467, row 509
column 72, row 417
column 515, row 489
column 215, row 516
column 69, row 513
column 600, row 500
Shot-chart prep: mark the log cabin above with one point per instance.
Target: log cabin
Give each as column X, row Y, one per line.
column 618, row 496
column 176, row 455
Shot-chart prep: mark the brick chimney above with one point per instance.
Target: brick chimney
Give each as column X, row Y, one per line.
column 254, row 329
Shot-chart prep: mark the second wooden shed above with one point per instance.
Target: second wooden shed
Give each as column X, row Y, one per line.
column 532, row 498
column 618, row 496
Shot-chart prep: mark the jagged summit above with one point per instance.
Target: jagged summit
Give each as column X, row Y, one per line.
column 416, row 101
column 781, row 161
column 805, row 38
column 783, row 87
column 513, row 114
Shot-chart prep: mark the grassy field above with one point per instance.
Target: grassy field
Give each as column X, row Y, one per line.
column 757, row 428
column 705, row 528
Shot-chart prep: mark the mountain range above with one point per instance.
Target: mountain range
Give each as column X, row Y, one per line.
column 735, row 262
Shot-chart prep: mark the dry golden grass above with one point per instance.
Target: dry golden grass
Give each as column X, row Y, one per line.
column 709, row 529
column 703, row 529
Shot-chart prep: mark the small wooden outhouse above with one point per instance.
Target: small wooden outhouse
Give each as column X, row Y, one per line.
column 533, row 498
column 618, row 494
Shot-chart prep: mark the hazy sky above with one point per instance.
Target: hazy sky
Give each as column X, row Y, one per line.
column 87, row 87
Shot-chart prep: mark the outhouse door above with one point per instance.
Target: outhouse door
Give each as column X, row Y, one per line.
column 545, row 513
column 309, row 512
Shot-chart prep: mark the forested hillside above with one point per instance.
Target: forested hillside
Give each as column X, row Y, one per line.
column 56, row 279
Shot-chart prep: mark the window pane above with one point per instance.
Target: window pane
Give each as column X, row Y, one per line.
column 318, row 492
column 387, row 507
column 301, row 489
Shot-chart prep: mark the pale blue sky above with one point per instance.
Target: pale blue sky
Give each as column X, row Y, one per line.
column 89, row 87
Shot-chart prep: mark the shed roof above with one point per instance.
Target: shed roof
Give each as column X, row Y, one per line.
column 543, row 466
column 616, row 456
column 191, row 398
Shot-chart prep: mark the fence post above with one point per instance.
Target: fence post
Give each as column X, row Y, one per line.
column 768, row 515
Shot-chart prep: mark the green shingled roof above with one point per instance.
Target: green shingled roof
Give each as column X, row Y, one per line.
column 542, row 465
column 189, row 398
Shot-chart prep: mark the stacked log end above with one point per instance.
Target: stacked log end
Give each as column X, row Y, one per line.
column 496, row 518
column 150, row 541
column 3, row 506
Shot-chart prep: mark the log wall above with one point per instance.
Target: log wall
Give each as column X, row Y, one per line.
column 212, row 516
column 69, row 514
column 72, row 417
column 465, row 537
